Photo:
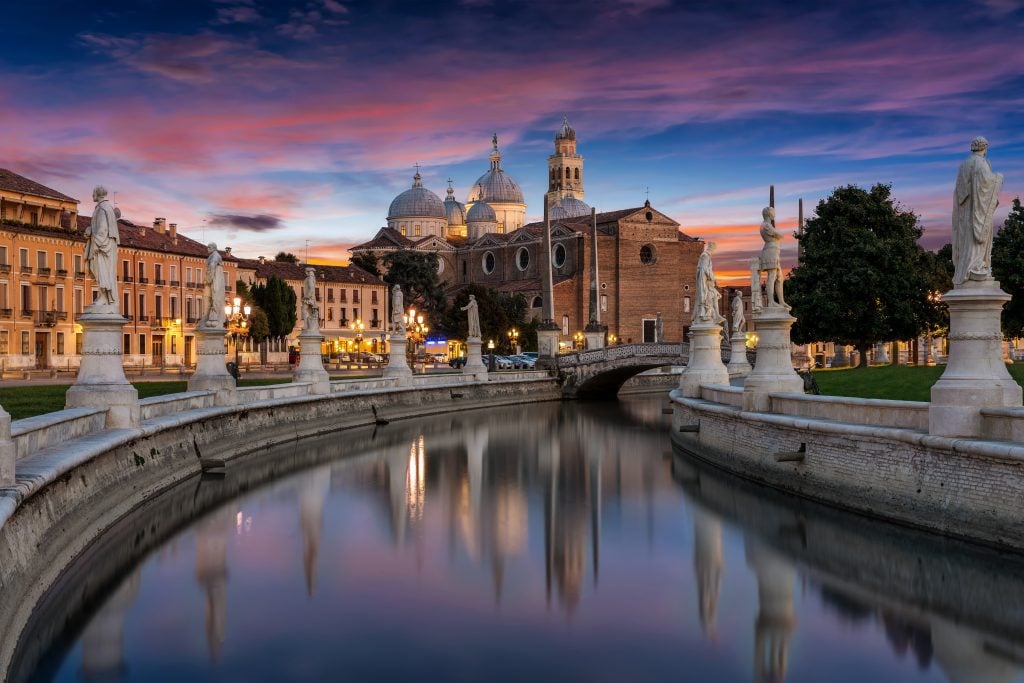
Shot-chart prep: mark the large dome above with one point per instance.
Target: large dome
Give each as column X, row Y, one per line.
column 496, row 185
column 455, row 210
column 569, row 207
column 417, row 202
column 481, row 212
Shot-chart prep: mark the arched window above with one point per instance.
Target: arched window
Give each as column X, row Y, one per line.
column 558, row 256
column 567, row 176
column 523, row 258
column 565, row 325
column 488, row 263
column 537, row 302
column 577, row 174
column 647, row 254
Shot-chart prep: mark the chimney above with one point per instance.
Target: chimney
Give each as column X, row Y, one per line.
column 227, row 251
column 174, row 233
column 160, row 225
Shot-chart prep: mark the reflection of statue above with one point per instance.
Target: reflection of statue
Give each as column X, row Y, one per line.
column 472, row 317
column 102, row 238
column 213, row 288
column 310, row 309
column 659, row 328
column 770, row 261
column 739, row 321
column 397, row 309
column 708, row 295
column 974, row 201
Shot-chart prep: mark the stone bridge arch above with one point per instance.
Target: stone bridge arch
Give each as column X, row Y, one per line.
column 600, row 373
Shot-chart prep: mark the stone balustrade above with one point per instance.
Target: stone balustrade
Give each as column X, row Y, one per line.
column 158, row 406
column 33, row 434
column 861, row 411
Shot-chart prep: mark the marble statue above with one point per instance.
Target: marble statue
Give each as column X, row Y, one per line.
column 310, row 308
column 708, row 296
column 755, row 285
column 770, row 261
column 102, row 238
column 213, row 288
column 472, row 317
column 398, row 309
column 659, row 328
column 975, row 200
column 739, row 321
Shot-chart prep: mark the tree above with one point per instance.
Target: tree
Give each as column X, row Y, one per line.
column 366, row 261
column 416, row 272
column 259, row 326
column 1008, row 268
column 277, row 300
column 499, row 313
column 859, row 279
column 937, row 268
column 286, row 257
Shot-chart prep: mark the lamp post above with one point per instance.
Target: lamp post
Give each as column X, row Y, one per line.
column 513, row 340
column 490, row 361
column 237, row 317
column 578, row 340
column 357, row 326
column 611, row 339
column 416, row 330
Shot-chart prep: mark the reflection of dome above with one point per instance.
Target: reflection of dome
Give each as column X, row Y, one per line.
column 569, row 207
column 417, row 202
column 565, row 131
column 496, row 185
column 481, row 212
column 455, row 210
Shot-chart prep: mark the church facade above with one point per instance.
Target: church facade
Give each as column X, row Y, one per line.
column 646, row 265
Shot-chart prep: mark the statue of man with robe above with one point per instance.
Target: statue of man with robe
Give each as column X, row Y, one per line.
column 398, row 310
column 708, row 296
column 659, row 328
column 472, row 317
column 974, row 202
column 739, row 320
column 310, row 308
column 213, row 288
column 102, row 239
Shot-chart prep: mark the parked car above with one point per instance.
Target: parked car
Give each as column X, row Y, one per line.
column 531, row 354
column 457, row 362
column 372, row 358
column 503, row 362
column 440, row 358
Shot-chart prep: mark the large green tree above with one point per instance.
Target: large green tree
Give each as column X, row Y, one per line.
column 860, row 278
column 367, row 262
column 1008, row 268
column 277, row 300
column 499, row 313
column 416, row 272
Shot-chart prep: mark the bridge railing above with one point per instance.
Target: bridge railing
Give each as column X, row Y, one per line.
column 620, row 351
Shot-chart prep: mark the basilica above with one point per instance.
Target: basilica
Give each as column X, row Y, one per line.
column 645, row 265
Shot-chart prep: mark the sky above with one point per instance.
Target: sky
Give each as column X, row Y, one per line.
column 266, row 125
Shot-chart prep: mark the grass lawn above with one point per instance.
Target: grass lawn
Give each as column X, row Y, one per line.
column 899, row 382
column 29, row 400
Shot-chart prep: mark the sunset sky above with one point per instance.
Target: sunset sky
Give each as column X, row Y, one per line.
column 261, row 125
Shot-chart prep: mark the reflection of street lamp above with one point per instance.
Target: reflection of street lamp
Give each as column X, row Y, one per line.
column 578, row 340
column 513, row 340
column 490, row 362
column 611, row 339
column 237, row 317
column 357, row 327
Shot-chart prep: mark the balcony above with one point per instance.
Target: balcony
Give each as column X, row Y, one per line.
column 343, row 322
column 127, row 278
column 49, row 318
column 191, row 320
column 44, row 272
column 160, row 281
column 190, row 285
column 143, row 280
column 128, row 316
column 161, row 323
column 79, row 274
column 25, row 269
column 62, row 272
column 143, row 318
column 175, row 283
column 375, row 323
column 5, row 267
column 6, row 312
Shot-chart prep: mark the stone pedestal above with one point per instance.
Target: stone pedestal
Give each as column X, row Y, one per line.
column 975, row 376
column 7, row 452
column 398, row 366
column 101, row 382
column 595, row 334
column 705, row 365
column 773, row 369
column 882, row 353
column 738, row 365
column 311, row 363
column 839, row 360
column 474, row 363
column 211, row 370
column 548, row 335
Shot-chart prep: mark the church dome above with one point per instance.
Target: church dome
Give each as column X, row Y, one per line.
column 481, row 212
column 569, row 207
column 417, row 202
column 496, row 185
column 455, row 210
column 565, row 131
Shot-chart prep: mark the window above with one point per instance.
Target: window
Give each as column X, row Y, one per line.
column 158, row 272
column 60, row 299
column 3, row 256
column 174, row 344
column 355, row 296
column 3, row 295
column 558, row 255
column 567, row 176
column 142, row 271
column 188, row 310
column 78, row 264
column 537, row 302
column 26, row 299
column 488, row 263
column 416, row 231
column 373, row 296
column 41, row 259
column 142, row 343
column 24, row 342
column 126, row 272
column 649, row 325
column 342, row 296
column 126, row 344
column 5, row 340
column 60, row 343
column 59, row 263
column 523, row 258
column 78, row 302
column 375, row 318
column 23, row 255
column 686, row 304
column 577, row 174
column 565, row 325
column 125, row 304
column 188, row 277
column 79, row 340
column 158, row 309
column 330, row 314
column 604, row 303
column 174, row 307
column 173, row 273
column 647, row 254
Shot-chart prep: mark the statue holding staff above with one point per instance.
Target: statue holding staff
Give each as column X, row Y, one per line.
column 974, row 202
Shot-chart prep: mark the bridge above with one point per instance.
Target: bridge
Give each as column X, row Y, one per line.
column 601, row 372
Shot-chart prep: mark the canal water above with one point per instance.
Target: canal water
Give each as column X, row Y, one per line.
column 548, row 542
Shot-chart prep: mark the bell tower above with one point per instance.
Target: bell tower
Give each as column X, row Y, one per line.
column 565, row 167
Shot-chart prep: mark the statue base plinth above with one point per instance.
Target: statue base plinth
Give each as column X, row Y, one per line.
column 595, row 335
column 211, row 369
column 101, row 382
column 311, row 363
column 7, row 451
column 474, row 361
column 738, row 365
column 975, row 376
column 705, row 365
column 773, row 369
column 398, row 367
column 548, row 335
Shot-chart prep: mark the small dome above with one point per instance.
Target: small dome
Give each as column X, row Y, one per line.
column 417, row 202
column 481, row 212
column 456, row 211
column 569, row 207
column 565, row 131
column 496, row 185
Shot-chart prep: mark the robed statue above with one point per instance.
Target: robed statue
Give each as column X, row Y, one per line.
column 472, row 317
column 659, row 328
column 213, row 288
column 739, row 321
column 974, row 202
column 708, row 296
column 310, row 308
column 770, row 260
column 102, row 239
column 398, row 310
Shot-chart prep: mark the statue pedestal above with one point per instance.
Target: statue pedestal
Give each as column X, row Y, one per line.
column 773, row 370
column 474, row 362
column 882, row 353
column 738, row 365
column 398, row 367
column 101, row 382
column 839, row 360
column 595, row 334
column 7, row 451
column 211, row 370
column 975, row 376
column 311, row 363
column 548, row 335
column 705, row 365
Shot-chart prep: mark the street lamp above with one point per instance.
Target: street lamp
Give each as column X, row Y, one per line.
column 578, row 340
column 357, row 326
column 513, row 340
column 237, row 317
column 415, row 329
column 611, row 339
column 490, row 349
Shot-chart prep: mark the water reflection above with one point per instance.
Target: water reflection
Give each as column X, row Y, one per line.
column 460, row 537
